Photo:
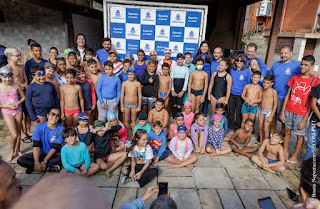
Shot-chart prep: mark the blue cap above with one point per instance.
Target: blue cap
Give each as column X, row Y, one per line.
column 111, row 116
column 182, row 128
column 83, row 116
column 167, row 50
column 131, row 70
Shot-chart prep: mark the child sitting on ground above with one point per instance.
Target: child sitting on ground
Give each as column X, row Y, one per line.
column 198, row 86
column 268, row 107
column 177, row 121
column 273, row 160
column 119, row 138
column 11, row 109
column 158, row 141
column 143, row 123
column 188, row 115
column 241, row 138
column 131, row 99
column 83, row 129
column 224, row 122
column 88, row 92
column 159, row 114
column 141, row 155
column 199, row 133
column 75, row 156
column 216, row 134
column 126, row 64
column 100, row 137
column 181, row 148
column 93, row 74
column 165, row 83
column 71, row 94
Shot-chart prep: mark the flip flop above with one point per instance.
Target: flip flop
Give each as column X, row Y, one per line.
column 26, row 139
column 107, row 174
column 290, row 162
column 286, row 157
column 190, row 166
column 255, row 165
column 278, row 174
column 170, row 165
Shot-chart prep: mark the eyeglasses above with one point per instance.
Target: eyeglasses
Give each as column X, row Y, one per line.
column 18, row 55
column 53, row 114
column 40, row 73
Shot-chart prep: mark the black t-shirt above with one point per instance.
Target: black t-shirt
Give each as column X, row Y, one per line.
column 316, row 94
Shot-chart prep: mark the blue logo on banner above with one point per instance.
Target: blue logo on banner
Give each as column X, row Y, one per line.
column 193, row 19
column 178, row 19
column 133, row 46
column 132, row 31
column 160, row 46
column 177, row 34
column 148, row 16
column 175, row 49
column 133, row 15
column 191, row 36
column 162, row 34
column 192, row 48
column 147, row 48
column 147, row 32
column 118, row 13
column 163, row 17
column 119, row 47
column 118, row 30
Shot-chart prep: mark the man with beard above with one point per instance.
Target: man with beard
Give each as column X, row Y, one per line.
column 103, row 54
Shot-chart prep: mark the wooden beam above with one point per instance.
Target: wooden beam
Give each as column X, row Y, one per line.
column 275, row 29
column 239, row 19
column 68, row 19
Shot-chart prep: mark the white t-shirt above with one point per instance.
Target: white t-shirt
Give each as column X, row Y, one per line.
column 82, row 53
column 141, row 155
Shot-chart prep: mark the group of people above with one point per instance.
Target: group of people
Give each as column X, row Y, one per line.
column 86, row 103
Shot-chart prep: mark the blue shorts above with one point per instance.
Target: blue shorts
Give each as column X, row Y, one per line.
column 271, row 160
column 249, row 109
column 163, row 95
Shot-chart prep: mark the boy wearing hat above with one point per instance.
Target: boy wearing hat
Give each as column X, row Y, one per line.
column 181, row 148
column 143, row 123
column 167, row 59
column 117, row 66
column 131, row 98
column 120, row 137
column 100, row 136
column 153, row 54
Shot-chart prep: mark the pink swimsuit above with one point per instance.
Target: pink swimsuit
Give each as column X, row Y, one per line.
column 10, row 97
column 188, row 119
column 175, row 131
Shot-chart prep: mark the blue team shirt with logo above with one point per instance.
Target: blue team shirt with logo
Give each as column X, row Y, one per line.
column 102, row 56
column 282, row 73
column 47, row 136
column 240, row 78
column 214, row 66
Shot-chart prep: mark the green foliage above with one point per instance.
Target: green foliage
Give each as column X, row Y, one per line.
column 244, row 40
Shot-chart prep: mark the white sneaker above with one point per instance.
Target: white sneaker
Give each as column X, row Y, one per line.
column 126, row 179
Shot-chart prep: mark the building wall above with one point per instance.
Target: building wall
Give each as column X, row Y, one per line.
column 24, row 21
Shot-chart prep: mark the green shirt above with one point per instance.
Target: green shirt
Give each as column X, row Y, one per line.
column 146, row 127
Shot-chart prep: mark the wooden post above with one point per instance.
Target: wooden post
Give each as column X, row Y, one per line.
column 275, row 29
column 240, row 17
column 68, row 19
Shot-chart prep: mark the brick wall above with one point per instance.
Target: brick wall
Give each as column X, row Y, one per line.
column 24, row 21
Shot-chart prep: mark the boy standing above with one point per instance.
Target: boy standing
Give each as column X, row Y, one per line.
column 241, row 138
column 126, row 64
column 295, row 111
column 117, row 66
column 89, row 54
column 180, row 78
column 71, row 94
column 131, row 98
column 75, row 156
column 273, row 160
column 251, row 95
column 41, row 96
column 36, row 60
column 93, row 74
column 267, row 107
column 191, row 67
column 198, row 86
column 165, row 83
column 143, row 123
column 159, row 114
column 108, row 92
column 150, row 82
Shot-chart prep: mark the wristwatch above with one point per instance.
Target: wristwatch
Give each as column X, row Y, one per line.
column 45, row 161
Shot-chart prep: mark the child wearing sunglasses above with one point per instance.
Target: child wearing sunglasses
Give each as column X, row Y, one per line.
column 41, row 96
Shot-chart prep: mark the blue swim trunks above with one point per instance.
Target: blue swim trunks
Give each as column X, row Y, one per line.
column 249, row 109
column 163, row 95
column 271, row 160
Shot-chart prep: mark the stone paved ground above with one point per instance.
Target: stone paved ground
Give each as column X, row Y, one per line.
column 224, row 182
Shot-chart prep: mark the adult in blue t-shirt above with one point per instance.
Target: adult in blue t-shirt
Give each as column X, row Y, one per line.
column 36, row 60
column 47, row 140
column 217, row 55
column 103, row 54
column 251, row 53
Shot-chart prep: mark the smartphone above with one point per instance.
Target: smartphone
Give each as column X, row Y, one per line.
column 292, row 195
column 266, row 203
column 163, row 188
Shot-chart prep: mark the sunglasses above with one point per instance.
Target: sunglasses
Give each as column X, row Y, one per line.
column 239, row 60
column 40, row 73
column 54, row 114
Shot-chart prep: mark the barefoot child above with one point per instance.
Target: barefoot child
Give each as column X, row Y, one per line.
column 267, row 107
column 165, row 83
column 140, row 65
column 199, row 133
column 216, row 134
column 75, row 156
column 100, row 137
column 59, row 76
column 11, row 109
column 159, row 114
column 141, row 155
column 126, row 64
column 71, row 94
column 167, row 59
column 177, row 121
column 93, row 74
column 273, row 160
column 180, row 78
column 224, row 122
column 119, row 138
column 251, row 95
column 131, row 99
column 50, row 71
column 72, row 60
column 241, row 138
column 220, row 84
column 89, row 54
column 191, row 68
column 181, row 148
column 88, row 92
column 158, row 142
column 41, row 96
column 83, row 128
column 143, row 123
column 117, row 66
column 188, row 115
column 198, row 86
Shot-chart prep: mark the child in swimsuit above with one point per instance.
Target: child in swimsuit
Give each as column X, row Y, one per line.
column 173, row 129
column 220, row 85
column 188, row 115
column 11, row 109
column 119, row 138
column 199, row 133
column 140, row 65
column 165, row 83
